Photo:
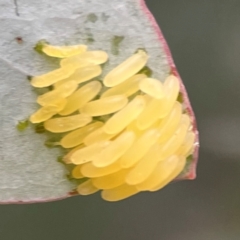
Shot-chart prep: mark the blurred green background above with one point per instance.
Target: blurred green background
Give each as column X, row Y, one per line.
column 204, row 37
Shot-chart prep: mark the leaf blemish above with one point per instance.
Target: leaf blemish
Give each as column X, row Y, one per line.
column 39, row 46
column 92, row 17
column 180, row 97
column 89, row 37
column 29, row 78
column 116, row 40
column 147, row 71
column 22, row 125
column 51, row 143
column 104, row 17
column 39, row 128
column 19, row 40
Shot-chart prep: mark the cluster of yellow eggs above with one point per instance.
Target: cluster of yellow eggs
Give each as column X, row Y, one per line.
column 145, row 137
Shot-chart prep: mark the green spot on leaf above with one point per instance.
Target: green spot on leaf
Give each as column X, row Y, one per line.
column 60, row 159
column 116, row 40
column 189, row 158
column 146, row 70
column 69, row 177
column 92, row 17
column 76, row 181
column 39, row 46
column 104, row 17
column 52, row 142
column 89, row 38
column 187, row 166
column 81, row 180
column 141, row 49
column 22, row 125
column 29, row 78
column 40, row 91
column 50, row 88
column 180, row 97
column 39, row 128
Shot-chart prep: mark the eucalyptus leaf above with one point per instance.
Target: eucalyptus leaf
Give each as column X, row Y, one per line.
column 29, row 171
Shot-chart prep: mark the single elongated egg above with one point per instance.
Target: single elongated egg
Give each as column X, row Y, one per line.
column 105, row 106
column 76, row 137
column 126, row 69
column 124, row 117
column 140, row 147
column 85, row 59
column 111, row 180
column 161, row 173
column 91, row 171
column 82, row 96
column 87, row 188
column 65, row 124
column 128, row 88
column 62, row 92
column 63, row 51
column 115, row 150
column 152, row 87
column 119, row 193
column 81, row 75
column 88, row 153
column 50, row 78
column 143, row 169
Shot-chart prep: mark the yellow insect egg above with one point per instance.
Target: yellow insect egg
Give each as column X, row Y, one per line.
column 119, row 193
column 143, row 169
column 67, row 157
column 62, row 92
column 147, row 98
column 105, row 106
column 126, row 69
column 91, row 171
column 154, row 125
column 76, row 172
column 171, row 88
column 76, row 137
column 160, row 108
column 43, row 114
column 50, row 78
column 133, row 127
column 171, row 146
column 151, row 113
column 65, row 124
column 180, row 165
column 140, row 147
column 98, row 136
column 121, row 119
column 81, row 75
column 111, row 180
column 63, row 51
column 170, row 123
column 161, row 173
column 60, row 104
column 129, row 87
column 85, row 59
column 186, row 147
column 152, row 87
column 88, row 153
column 87, row 188
column 79, row 98
column 115, row 150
